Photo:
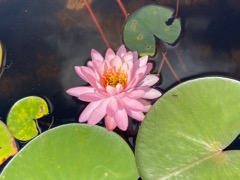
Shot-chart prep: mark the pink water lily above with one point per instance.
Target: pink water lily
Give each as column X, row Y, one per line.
column 119, row 87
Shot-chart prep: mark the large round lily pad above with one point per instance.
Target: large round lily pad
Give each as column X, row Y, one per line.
column 74, row 151
column 147, row 23
column 7, row 143
column 21, row 117
column 186, row 131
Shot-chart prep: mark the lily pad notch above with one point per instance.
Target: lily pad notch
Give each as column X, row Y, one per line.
column 186, row 132
column 22, row 117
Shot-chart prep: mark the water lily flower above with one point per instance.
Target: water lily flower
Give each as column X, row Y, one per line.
column 119, row 87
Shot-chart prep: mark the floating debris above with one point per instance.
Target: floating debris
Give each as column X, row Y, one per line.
column 77, row 4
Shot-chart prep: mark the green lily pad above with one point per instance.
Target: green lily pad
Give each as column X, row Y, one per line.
column 8, row 146
column 2, row 58
column 186, row 131
column 21, row 117
column 74, row 151
column 147, row 23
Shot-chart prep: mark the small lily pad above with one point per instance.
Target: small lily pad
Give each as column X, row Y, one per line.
column 147, row 23
column 186, row 131
column 2, row 58
column 8, row 146
column 21, row 117
column 74, row 151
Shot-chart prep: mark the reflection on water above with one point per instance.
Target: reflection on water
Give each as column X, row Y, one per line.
column 46, row 39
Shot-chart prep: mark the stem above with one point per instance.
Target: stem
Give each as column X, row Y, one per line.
column 160, row 66
column 170, row 67
column 177, row 7
column 122, row 8
column 51, row 123
column 97, row 23
column 38, row 127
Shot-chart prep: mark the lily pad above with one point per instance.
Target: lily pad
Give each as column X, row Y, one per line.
column 185, row 133
column 74, row 151
column 21, row 117
column 147, row 23
column 8, row 146
column 2, row 58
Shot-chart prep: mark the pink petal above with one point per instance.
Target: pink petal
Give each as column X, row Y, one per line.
column 96, row 55
column 129, row 76
column 128, row 56
column 141, row 70
column 116, row 62
column 136, row 94
column 149, row 80
column 130, row 64
column 88, row 110
column 124, row 68
column 109, row 54
column 106, row 66
column 112, row 107
column 121, row 118
column 147, row 105
column 86, row 74
column 76, row 91
column 90, row 64
column 121, row 51
column 132, row 104
column 133, row 82
column 100, row 87
column 111, row 90
column 98, row 67
column 79, row 72
column 90, row 97
column 135, row 56
column 119, row 88
column 114, row 90
column 152, row 94
column 149, row 68
column 142, row 64
column 110, row 123
column 143, row 61
column 98, row 113
column 136, row 115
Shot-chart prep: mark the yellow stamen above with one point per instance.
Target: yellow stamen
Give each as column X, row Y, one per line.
column 112, row 78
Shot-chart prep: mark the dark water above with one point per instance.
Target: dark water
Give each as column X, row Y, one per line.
column 46, row 39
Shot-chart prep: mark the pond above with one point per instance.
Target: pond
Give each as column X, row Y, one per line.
column 44, row 40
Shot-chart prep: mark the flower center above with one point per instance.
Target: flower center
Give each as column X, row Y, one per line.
column 112, row 78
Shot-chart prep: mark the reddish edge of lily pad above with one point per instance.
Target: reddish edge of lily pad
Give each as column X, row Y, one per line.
column 8, row 146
